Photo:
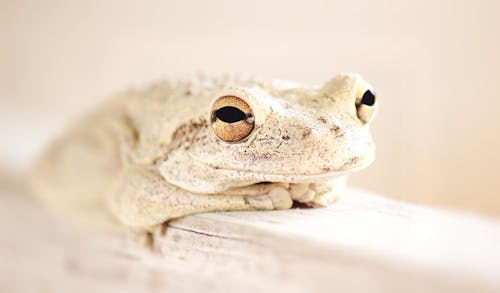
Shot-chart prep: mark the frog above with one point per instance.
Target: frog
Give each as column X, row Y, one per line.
column 202, row 144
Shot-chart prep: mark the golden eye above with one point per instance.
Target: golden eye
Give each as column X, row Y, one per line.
column 232, row 118
column 365, row 106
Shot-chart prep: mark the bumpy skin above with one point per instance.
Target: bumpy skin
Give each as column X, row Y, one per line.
column 151, row 155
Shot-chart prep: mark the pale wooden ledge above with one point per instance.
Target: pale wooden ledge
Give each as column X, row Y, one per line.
column 361, row 243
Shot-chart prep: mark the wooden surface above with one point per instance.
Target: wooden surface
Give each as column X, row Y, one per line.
column 361, row 243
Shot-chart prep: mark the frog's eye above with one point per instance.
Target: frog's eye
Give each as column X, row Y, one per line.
column 232, row 118
column 365, row 106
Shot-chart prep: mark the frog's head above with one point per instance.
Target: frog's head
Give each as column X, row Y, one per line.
column 277, row 132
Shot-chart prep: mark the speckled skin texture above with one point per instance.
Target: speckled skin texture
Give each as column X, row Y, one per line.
column 151, row 155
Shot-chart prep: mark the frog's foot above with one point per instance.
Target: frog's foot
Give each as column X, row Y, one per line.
column 278, row 198
column 280, row 195
column 305, row 193
column 317, row 194
column 263, row 196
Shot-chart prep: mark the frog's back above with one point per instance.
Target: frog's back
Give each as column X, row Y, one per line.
column 76, row 170
column 78, row 165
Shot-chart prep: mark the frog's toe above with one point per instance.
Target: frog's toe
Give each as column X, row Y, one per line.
column 302, row 192
column 281, row 198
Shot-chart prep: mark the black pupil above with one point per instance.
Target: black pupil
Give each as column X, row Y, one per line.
column 230, row 114
column 368, row 98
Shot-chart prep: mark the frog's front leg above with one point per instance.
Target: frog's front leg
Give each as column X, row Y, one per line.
column 142, row 199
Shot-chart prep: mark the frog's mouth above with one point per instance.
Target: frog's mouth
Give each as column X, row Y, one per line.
column 353, row 164
column 199, row 176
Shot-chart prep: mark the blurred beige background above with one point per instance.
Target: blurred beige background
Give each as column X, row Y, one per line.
column 435, row 66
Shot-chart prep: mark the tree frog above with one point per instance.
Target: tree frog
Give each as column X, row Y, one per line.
column 205, row 144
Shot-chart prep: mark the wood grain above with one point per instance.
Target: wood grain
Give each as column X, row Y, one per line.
column 361, row 243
